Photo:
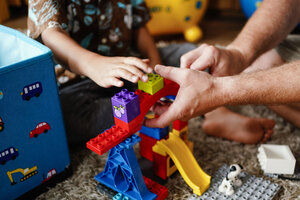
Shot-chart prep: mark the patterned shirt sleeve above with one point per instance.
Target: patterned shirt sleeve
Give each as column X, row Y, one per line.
column 140, row 13
column 43, row 14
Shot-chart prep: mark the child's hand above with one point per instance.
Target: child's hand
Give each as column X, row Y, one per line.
column 107, row 71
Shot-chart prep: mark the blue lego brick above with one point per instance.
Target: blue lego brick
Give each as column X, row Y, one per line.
column 126, row 105
column 122, row 172
column 156, row 133
column 172, row 97
column 252, row 188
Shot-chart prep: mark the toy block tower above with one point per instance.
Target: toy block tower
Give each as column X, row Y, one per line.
column 154, row 84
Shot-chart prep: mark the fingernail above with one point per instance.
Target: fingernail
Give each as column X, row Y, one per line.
column 145, row 78
column 158, row 67
column 135, row 78
column 119, row 84
column 149, row 70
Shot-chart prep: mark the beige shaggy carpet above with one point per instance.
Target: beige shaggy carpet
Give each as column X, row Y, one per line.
column 211, row 153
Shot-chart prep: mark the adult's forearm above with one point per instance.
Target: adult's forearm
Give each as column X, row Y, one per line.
column 66, row 50
column 267, row 28
column 274, row 86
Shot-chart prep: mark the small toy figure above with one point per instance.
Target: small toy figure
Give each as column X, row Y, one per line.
column 231, row 179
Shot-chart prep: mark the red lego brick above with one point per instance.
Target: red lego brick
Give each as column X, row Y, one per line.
column 147, row 100
column 132, row 127
column 107, row 140
column 159, row 190
column 146, row 145
column 160, row 165
column 179, row 125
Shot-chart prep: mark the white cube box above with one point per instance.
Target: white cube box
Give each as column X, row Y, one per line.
column 276, row 159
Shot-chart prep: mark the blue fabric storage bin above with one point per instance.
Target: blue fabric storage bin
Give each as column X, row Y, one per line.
column 33, row 145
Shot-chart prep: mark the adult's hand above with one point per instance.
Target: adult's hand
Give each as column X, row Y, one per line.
column 196, row 95
column 220, row 61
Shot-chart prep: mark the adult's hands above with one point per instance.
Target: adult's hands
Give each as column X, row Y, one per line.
column 220, row 61
column 197, row 95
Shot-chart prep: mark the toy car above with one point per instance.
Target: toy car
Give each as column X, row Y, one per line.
column 42, row 127
column 1, row 124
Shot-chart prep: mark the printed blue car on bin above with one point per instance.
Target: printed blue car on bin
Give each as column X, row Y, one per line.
column 8, row 154
column 29, row 91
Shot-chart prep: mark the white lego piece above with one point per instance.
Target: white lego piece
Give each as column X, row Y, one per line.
column 276, row 159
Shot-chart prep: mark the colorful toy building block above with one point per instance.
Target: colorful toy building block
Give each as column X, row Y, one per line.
column 107, row 140
column 126, row 105
column 160, row 165
column 252, row 188
column 183, row 133
column 146, row 145
column 276, row 159
column 179, row 125
column 132, row 127
column 157, row 133
column 159, row 190
column 122, row 172
column 154, row 84
column 120, row 196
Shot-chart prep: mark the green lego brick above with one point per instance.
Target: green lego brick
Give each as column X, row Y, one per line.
column 154, row 84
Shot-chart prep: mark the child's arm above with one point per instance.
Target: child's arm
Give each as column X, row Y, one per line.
column 147, row 47
column 105, row 71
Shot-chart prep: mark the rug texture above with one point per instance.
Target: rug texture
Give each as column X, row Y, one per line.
column 210, row 152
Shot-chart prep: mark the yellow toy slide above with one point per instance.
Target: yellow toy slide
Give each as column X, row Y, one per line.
column 185, row 162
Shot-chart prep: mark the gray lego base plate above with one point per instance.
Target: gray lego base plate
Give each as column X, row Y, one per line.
column 252, row 188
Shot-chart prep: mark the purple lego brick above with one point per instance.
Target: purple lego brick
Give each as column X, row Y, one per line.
column 126, row 105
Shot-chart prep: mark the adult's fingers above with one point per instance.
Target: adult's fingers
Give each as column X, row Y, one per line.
column 188, row 58
column 207, row 59
column 171, row 73
column 159, row 108
column 164, row 119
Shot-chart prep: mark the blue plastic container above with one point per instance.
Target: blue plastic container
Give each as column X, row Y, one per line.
column 33, row 145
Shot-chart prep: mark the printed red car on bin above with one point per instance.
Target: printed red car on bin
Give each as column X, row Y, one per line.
column 42, row 127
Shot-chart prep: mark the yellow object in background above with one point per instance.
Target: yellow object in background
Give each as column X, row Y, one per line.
column 177, row 16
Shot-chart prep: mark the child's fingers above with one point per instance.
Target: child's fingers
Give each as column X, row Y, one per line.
column 112, row 81
column 147, row 60
column 138, row 63
column 135, row 71
column 125, row 74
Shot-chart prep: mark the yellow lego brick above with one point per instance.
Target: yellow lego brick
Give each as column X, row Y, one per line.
column 154, row 84
column 171, row 167
column 183, row 133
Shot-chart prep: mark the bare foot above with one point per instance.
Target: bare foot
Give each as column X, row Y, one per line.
column 232, row 126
